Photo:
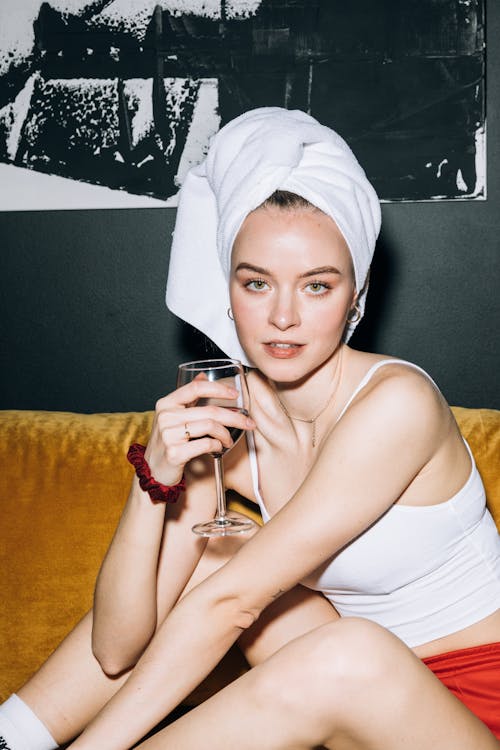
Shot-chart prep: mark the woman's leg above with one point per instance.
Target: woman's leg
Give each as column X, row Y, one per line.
column 350, row 685
column 70, row 688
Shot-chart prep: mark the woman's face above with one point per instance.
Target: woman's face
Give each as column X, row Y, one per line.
column 292, row 286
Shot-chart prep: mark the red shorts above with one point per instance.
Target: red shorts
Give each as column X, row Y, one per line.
column 473, row 675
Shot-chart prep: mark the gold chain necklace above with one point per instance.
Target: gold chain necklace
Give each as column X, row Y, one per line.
column 312, row 420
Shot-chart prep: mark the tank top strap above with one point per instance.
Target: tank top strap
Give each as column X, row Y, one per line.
column 254, row 471
column 373, row 369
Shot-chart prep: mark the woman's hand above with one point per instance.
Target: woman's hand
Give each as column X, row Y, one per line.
column 183, row 431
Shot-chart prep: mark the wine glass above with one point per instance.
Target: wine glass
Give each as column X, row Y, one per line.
column 231, row 372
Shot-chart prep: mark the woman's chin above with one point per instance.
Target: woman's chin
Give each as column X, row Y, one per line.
column 286, row 369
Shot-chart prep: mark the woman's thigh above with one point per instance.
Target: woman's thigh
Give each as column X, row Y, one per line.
column 347, row 685
column 295, row 613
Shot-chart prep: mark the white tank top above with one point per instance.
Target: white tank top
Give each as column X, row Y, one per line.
column 423, row 572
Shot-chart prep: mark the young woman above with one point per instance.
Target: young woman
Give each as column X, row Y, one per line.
column 369, row 601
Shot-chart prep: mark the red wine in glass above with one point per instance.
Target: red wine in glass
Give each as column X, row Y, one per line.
column 231, row 372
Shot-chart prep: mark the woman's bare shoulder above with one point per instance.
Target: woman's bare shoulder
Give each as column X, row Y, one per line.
column 395, row 392
column 380, row 368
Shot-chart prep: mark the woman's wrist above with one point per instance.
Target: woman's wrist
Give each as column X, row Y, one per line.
column 157, row 491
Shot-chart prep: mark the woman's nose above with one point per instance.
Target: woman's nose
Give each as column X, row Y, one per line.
column 284, row 313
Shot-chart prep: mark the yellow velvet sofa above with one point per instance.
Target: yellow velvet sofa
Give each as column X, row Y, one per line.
column 63, row 482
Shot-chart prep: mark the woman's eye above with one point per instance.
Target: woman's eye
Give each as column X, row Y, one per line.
column 258, row 285
column 317, row 287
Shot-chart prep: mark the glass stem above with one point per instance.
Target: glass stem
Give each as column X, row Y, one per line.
column 221, row 492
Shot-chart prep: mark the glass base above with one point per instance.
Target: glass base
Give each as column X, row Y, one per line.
column 230, row 524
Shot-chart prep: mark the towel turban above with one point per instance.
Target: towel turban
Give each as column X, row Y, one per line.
column 261, row 151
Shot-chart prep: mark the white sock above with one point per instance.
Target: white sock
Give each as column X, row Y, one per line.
column 21, row 729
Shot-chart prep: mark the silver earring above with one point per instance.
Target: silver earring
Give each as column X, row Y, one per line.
column 230, row 313
column 357, row 314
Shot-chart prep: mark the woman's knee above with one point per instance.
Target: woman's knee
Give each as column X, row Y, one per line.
column 355, row 650
column 332, row 664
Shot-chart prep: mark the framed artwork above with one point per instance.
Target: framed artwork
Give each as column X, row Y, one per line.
column 108, row 103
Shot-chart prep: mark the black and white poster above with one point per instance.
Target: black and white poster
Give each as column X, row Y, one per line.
column 107, row 103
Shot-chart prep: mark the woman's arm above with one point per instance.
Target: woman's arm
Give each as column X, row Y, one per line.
column 368, row 461
column 151, row 557
column 153, row 552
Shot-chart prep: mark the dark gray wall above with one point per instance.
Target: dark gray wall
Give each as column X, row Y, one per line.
column 84, row 326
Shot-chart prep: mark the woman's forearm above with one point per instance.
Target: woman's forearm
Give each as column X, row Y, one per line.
column 149, row 562
column 125, row 604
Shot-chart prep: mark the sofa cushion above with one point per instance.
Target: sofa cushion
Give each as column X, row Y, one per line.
column 63, row 484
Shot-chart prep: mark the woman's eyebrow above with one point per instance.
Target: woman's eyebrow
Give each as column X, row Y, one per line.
column 320, row 269
column 250, row 267
column 306, row 274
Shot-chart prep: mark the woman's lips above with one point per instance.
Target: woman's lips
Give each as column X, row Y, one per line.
column 282, row 349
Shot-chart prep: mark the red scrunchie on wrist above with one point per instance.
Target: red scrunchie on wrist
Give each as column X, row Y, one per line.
column 158, row 492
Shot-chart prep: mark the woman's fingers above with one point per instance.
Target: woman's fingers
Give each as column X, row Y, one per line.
column 172, row 447
column 186, row 433
column 229, row 416
column 190, row 393
column 180, row 453
column 196, row 429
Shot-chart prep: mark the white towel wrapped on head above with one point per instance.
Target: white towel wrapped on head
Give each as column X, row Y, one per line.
column 261, row 151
